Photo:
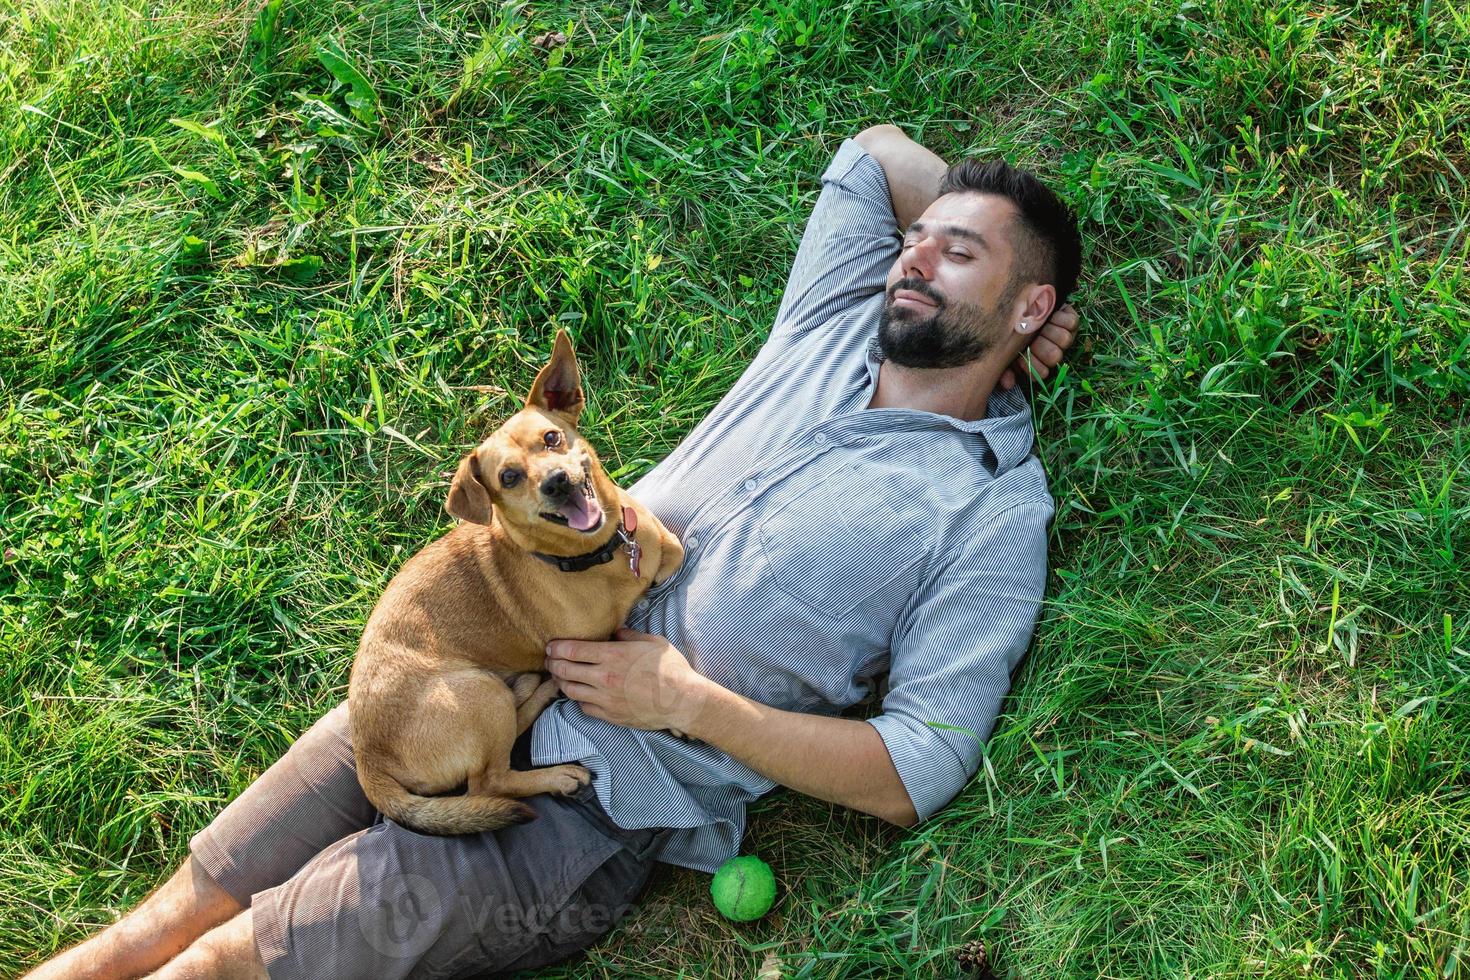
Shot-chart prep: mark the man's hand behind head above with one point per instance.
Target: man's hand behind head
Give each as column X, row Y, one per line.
column 1047, row 347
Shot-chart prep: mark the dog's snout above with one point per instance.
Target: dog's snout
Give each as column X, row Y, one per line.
column 556, row 486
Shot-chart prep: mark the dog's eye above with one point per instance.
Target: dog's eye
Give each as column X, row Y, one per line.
column 509, row 478
column 553, row 438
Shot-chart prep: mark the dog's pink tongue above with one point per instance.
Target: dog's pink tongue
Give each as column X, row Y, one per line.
column 581, row 511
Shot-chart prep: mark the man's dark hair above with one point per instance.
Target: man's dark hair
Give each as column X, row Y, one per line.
column 1048, row 247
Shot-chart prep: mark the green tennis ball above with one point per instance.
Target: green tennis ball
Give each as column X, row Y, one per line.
column 744, row 888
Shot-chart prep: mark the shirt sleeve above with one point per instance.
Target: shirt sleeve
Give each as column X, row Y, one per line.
column 851, row 240
column 953, row 651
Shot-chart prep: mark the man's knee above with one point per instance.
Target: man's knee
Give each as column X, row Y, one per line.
column 193, row 896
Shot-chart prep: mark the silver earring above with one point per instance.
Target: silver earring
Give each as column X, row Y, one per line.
column 1023, row 325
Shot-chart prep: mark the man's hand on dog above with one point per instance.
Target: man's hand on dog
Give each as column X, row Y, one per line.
column 1047, row 347
column 638, row 680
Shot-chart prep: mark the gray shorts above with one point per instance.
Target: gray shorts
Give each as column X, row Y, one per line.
column 338, row 892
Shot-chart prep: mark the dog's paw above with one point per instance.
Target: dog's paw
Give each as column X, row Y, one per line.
column 567, row 779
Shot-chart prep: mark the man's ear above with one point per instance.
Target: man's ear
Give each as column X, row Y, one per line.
column 1035, row 307
column 468, row 498
column 558, row 387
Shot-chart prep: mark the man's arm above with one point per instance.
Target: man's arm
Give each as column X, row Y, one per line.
column 913, row 173
column 640, row 680
column 840, row 760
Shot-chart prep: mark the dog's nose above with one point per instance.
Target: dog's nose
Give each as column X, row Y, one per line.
column 556, row 486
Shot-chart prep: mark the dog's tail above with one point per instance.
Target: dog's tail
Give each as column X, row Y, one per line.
column 441, row 815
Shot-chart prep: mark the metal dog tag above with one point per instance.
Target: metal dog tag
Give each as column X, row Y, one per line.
column 629, row 526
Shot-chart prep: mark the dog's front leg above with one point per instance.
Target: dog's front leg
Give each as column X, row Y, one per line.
column 526, row 712
column 522, row 686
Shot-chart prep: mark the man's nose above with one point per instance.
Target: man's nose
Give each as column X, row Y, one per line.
column 556, row 486
column 918, row 262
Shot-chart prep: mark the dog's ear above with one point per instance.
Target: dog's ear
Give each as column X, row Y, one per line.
column 468, row 498
column 558, row 387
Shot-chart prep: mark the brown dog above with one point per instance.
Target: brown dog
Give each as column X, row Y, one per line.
column 447, row 674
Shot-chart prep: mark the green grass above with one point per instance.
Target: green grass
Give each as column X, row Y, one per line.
column 238, row 356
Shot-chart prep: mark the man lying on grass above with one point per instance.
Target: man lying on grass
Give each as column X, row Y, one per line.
column 865, row 499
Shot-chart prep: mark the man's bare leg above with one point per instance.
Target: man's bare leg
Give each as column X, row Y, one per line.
column 226, row 952
column 164, row 924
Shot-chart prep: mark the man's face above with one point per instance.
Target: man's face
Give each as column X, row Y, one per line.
column 949, row 294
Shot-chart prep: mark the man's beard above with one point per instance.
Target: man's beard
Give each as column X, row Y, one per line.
column 948, row 336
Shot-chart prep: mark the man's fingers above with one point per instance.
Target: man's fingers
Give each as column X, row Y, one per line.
column 1065, row 317
column 1046, row 352
column 570, row 670
column 586, row 651
column 1047, row 348
column 580, row 692
column 1057, row 335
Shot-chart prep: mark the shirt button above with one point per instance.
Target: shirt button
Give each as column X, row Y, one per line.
column 750, row 484
column 642, row 604
column 692, row 543
column 821, row 438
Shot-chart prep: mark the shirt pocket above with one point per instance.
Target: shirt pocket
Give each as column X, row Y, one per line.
column 845, row 539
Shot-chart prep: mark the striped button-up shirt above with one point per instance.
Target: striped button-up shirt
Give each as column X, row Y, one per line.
column 826, row 543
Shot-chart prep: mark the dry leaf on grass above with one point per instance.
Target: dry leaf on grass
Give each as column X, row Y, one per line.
column 430, row 161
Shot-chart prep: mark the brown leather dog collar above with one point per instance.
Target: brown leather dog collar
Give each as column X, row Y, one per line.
column 627, row 524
